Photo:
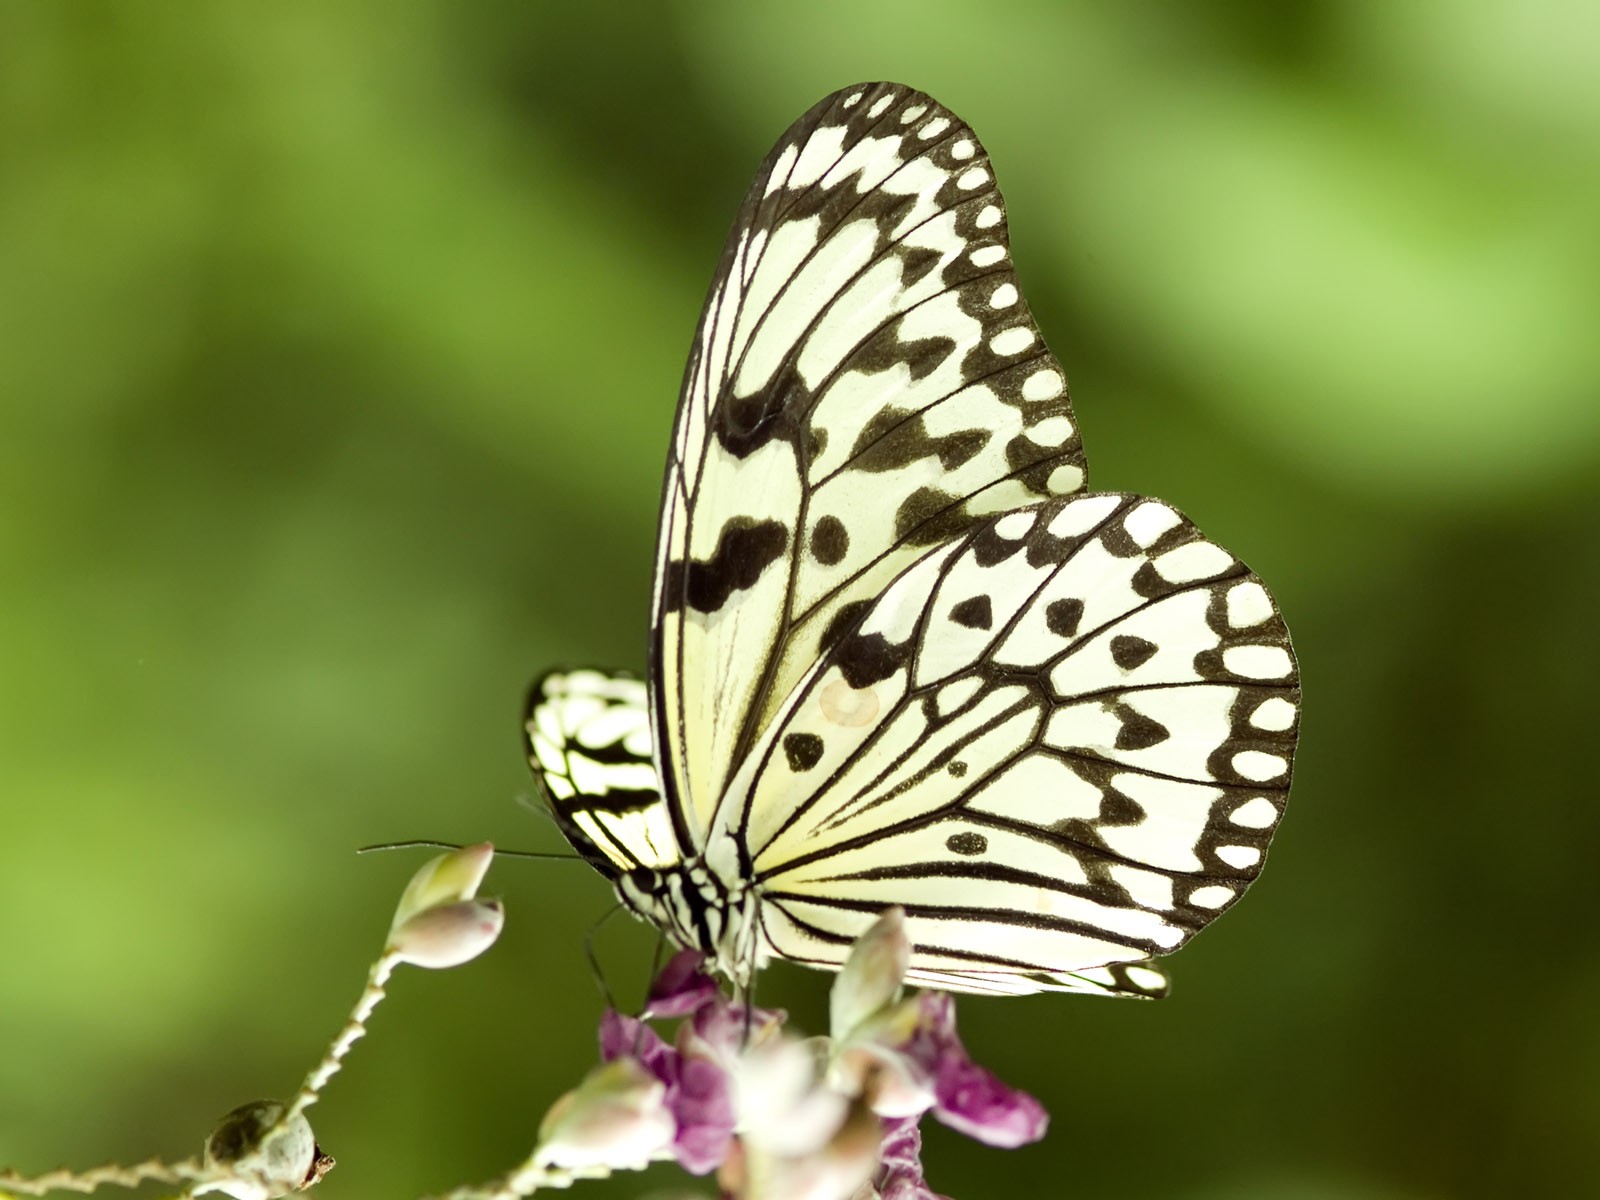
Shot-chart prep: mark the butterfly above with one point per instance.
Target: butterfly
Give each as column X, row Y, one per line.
column 898, row 654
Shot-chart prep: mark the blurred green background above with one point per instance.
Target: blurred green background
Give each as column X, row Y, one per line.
column 338, row 349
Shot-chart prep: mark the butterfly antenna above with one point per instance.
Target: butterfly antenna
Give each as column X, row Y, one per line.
column 536, row 806
column 414, row 844
column 552, row 856
column 594, row 960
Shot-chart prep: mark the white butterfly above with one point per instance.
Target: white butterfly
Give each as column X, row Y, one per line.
column 897, row 655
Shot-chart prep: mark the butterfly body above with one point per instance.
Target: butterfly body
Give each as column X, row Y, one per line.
column 898, row 655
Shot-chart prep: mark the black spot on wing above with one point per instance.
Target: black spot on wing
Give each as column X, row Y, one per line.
column 1116, row 808
column 830, row 541
column 1062, row 617
column 975, row 612
column 966, row 843
column 615, row 753
column 745, row 549
column 988, row 547
column 924, row 356
column 956, row 449
column 803, row 750
column 1129, row 652
column 1139, row 732
column 879, row 426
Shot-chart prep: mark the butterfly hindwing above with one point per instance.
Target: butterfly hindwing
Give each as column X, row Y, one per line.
column 588, row 741
column 1060, row 741
column 866, row 382
column 1137, row 980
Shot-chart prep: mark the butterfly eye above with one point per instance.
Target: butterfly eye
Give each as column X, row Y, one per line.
column 644, row 880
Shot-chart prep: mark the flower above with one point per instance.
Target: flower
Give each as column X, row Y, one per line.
column 899, row 1174
column 682, row 987
column 696, row 1089
column 968, row 1098
column 905, row 1058
column 787, row 1118
column 786, row 1108
column 841, row 1166
column 872, row 975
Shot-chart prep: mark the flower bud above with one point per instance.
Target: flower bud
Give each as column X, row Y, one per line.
column 448, row 935
column 447, row 879
column 258, row 1158
column 785, row 1107
column 843, row 1166
column 871, row 976
column 617, row 1117
column 874, row 1062
column 892, row 1082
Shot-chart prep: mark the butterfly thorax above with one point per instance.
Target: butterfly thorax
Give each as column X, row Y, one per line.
column 700, row 908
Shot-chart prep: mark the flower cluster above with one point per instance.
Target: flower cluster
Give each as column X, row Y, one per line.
column 782, row 1117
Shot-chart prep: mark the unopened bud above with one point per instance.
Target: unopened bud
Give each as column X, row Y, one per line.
column 842, row 1167
column 447, row 879
column 786, row 1109
column 448, row 935
column 617, row 1117
column 871, row 976
column 260, row 1159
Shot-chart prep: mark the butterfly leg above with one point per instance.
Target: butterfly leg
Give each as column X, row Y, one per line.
column 594, row 959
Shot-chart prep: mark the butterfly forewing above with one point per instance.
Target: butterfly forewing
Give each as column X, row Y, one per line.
column 866, row 382
column 1060, row 741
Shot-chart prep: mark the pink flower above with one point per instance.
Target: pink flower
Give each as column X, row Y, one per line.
column 900, row 1163
column 698, row 1094
column 779, row 1116
column 682, row 987
column 968, row 1098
